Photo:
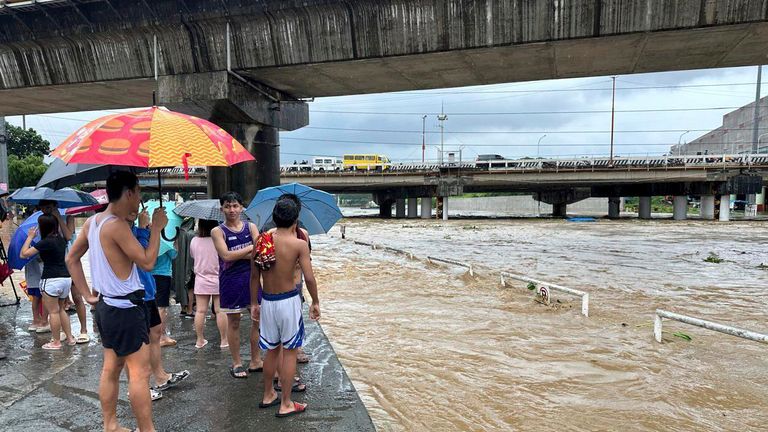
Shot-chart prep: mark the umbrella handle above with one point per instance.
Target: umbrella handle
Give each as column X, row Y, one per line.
column 172, row 238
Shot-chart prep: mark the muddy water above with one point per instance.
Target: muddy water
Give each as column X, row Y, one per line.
column 430, row 348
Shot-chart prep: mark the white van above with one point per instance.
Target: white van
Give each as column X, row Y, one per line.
column 326, row 163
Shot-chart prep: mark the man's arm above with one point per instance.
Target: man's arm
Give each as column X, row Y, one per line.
column 221, row 247
column 255, row 286
column 309, row 279
column 75, row 266
column 66, row 227
column 123, row 237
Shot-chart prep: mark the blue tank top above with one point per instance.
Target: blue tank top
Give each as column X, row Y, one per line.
column 235, row 273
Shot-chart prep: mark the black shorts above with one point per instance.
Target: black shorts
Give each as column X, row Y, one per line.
column 122, row 330
column 163, row 294
column 154, row 314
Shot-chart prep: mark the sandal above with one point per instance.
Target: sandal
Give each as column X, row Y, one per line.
column 50, row 347
column 298, row 408
column 205, row 342
column 236, row 372
column 298, row 386
column 83, row 338
column 270, row 404
column 175, row 379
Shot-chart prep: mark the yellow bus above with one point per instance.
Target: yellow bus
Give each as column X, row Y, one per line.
column 366, row 162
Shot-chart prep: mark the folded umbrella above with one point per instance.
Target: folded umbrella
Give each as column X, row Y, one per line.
column 319, row 211
column 65, row 198
column 60, row 174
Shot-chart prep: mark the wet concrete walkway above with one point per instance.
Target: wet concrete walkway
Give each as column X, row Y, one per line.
column 57, row 391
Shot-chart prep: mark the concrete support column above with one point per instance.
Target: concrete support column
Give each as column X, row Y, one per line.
column 385, row 209
column 614, row 207
column 644, row 209
column 3, row 156
column 426, row 207
column 247, row 178
column 400, row 208
column 445, row 208
column 559, row 210
column 413, row 211
column 725, row 208
column 707, row 207
column 680, row 208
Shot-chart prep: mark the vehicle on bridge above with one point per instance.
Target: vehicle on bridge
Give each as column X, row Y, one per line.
column 325, row 163
column 366, row 162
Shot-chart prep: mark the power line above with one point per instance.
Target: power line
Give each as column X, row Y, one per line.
column 641, row 87
column 473, row 144
column 627, row 111
column 517, row 132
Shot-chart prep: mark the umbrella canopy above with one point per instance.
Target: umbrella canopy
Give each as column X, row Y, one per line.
column 319, row 211
column 201, row 209
column 101, row 197
column 174, row 222
column 60, row 174
column 65, row 198
column 152, row 138
column 18, row 239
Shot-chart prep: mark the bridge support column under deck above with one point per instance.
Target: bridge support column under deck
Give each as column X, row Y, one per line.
column 708, row 207
column 413, row 210
column 559, row 210
column 680, row 208
column 426, row 207
column 400, row 208
column 445, row 208
column 614, row 207
column 725, row 208
column 644, row 207
column 385, row 209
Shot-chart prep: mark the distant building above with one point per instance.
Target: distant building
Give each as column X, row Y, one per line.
column 734, row 136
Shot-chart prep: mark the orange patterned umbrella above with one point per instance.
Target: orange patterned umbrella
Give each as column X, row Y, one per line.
column 152, row 137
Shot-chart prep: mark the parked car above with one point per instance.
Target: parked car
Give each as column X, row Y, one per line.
column 489, row 157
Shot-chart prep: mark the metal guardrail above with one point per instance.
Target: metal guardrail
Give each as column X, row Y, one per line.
column 543, row 288
column 453, row 262
column 709, row 325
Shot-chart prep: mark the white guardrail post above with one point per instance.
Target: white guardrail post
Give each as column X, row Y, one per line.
column 709, row 325
column 543, row 288
column 456, row 263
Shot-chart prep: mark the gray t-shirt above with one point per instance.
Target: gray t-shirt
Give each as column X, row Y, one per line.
column 33, row 272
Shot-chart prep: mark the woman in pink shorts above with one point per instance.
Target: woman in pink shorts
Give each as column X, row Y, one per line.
column 206, row 267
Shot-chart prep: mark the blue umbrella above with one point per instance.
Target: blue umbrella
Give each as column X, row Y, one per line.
column 18, row 239
column 174, row 222
column 319, row 211
column 65, row 198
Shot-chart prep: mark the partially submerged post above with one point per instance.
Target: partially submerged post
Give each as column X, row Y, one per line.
column 543, row 289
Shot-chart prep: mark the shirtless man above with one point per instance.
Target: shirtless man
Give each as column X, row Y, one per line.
column 121, row 315
column 234, row 243
column 281, row 321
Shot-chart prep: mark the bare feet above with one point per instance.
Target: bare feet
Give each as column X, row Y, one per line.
column 167, row 342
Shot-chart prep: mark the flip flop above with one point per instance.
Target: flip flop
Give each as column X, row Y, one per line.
column 271, row 404
column 50, row 347
column 256, row 370
column 302, row 359
column 205, row 342
column 225, row 346
column 298, row 387
column 83, row 338
column 73, row 343
column 297, row 409
column 234, row 370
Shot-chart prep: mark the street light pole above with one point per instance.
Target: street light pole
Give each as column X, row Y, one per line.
column 423, row 136
column 756, row 116
column 538, row 144
column 679, row 150
column 613, row 112
column 442, row 118
column 758, row 141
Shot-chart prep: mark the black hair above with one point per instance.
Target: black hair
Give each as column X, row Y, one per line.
column 231, row 197
column 285, row 213
column 118, row 182
column 48, row 224
column 43, row 203
column 204, row 227
column 292, row 197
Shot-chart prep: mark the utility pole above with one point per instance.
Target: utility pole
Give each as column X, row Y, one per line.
column 442, row 118
column 423, row 136
column 3, row 156
column 613, row 112
column 756, row 117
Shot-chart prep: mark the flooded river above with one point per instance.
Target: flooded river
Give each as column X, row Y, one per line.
column 431, row 348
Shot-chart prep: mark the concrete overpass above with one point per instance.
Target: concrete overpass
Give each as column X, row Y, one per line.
column 246, row 65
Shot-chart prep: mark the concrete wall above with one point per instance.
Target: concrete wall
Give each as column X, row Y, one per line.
column 522, row 205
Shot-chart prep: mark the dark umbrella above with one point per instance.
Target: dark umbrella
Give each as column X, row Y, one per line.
column 201, row 209
column 65, row 198
column 60, row 174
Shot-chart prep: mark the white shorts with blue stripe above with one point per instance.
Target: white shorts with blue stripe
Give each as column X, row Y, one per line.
column 281, row 322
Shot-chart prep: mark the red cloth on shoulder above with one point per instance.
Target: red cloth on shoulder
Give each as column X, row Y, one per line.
column 265, row 251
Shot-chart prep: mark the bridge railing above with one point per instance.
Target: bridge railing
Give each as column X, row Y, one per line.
column 543, row 290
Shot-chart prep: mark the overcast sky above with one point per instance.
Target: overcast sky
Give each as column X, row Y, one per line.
column 506, row 119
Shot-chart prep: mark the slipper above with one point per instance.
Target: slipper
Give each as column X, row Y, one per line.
column 234, row 370
column 225, row 346
column 46, row 329
column 302, row 359
column 32, row 328
column 73, row 343
column 50, row 347
column 83, row 338
column 62, row 337
column 271, row 404
column 256, row 370
column 297, row 409
column 298, row 387
column 205, row 342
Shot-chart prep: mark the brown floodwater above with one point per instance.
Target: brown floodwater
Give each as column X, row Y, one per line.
column 431, row 348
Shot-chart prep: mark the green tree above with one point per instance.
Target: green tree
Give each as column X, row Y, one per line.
column 25, row 171
column 25, row 142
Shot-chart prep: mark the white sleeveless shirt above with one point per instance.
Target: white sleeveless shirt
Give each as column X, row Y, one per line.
column 103, row 277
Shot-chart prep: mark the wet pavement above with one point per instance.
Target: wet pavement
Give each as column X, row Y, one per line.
column 57, row 391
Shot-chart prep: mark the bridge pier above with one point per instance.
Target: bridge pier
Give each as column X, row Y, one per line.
column 614, row 207
column 707, row 207
column 385, row 209
column 559, row 209
column 400, row 208
column 413, row 208
column 426, row 207
column 725, row 208
column 445, row 208
column 644, row 208
column 680, row 207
